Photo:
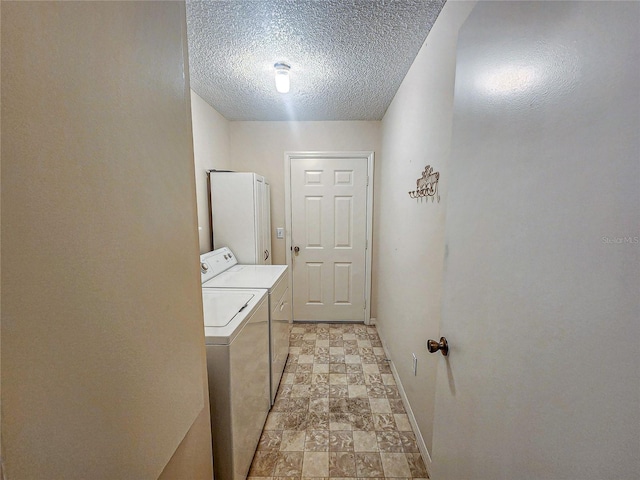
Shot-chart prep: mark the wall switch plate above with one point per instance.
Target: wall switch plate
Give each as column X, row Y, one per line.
column 279, row 232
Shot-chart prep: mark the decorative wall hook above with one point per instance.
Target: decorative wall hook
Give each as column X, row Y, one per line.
column 427, row 185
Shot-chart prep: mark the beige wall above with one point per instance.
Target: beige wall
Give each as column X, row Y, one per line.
column 102, row 342
column 259, row 147
column 211, row 151
column 409, row 233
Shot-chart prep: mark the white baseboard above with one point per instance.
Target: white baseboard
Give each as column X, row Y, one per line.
column 372, row 321
column 426, row 457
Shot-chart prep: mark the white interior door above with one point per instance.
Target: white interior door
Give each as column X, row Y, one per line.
column 329, row 237
column 540, row 301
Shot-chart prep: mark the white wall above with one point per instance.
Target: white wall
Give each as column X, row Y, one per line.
column 408, row 233
column 211, row 151
column 103, row 361
column 259, row 147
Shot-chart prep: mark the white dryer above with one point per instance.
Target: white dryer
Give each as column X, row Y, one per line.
column 220, row 269
column 236, row 327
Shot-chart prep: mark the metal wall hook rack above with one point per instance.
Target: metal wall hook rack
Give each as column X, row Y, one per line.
column 427, row 185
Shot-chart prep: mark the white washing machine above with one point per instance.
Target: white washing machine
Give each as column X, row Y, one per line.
column 221, row 270
column 236, row 326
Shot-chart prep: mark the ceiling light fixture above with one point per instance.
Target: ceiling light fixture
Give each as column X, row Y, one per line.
column 282, row 77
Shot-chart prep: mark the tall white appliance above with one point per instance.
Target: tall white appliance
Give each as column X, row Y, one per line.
column 241, row 215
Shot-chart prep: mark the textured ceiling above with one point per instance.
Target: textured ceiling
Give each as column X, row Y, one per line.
column 347, row 57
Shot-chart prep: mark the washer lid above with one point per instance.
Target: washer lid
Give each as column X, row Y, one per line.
column 248, row 276
column 221, row 307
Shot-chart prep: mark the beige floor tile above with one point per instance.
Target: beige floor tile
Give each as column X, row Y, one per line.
column 317, row 441
column 316, row 464
column 409, row 444
column 264, row 464
column 387, row 379
column 274, row 421
column 396, row 405
column 341, row 441
column 270, row 440
column 380, row 405
column 304, row 368
column 298, row 405
column 320, row 378
column 289, row 464
column 321, row 351
column 369, row 464
column 319, row 390
column 319, row 405
column 305, row 358
column 338, row 391
column 302, row 377
column 292, row 441
column 320, row 368
column 339, row 421
column 384, row 421
column 416, row 465
column 337, row 378
column 318, row 421
column 395, row 465
column 389, row 442
column 370, row 368
column 365, row 441
column 402, row 422
column 301, row 390
column 351, row 359
column 357, row 391
column 342, row 464
column 337, row 368
column 336, row 350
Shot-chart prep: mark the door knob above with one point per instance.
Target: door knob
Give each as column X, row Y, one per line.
column 296, row 250
column 434, row 346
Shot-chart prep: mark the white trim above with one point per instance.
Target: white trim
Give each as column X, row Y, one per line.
column 287, row 213
column 426, row 457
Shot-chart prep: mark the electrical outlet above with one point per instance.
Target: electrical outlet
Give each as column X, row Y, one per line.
column 415, row 364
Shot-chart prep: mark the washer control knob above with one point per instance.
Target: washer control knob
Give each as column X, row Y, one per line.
column 204, row 268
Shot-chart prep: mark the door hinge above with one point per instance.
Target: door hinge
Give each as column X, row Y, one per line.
column 366, row 244
column 367, row 180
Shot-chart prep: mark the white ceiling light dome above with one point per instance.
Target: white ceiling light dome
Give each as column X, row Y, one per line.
column 282, row 77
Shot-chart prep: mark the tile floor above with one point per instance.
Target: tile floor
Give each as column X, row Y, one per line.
column 338, row 412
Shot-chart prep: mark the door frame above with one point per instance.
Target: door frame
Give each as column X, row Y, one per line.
column 369, row 156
